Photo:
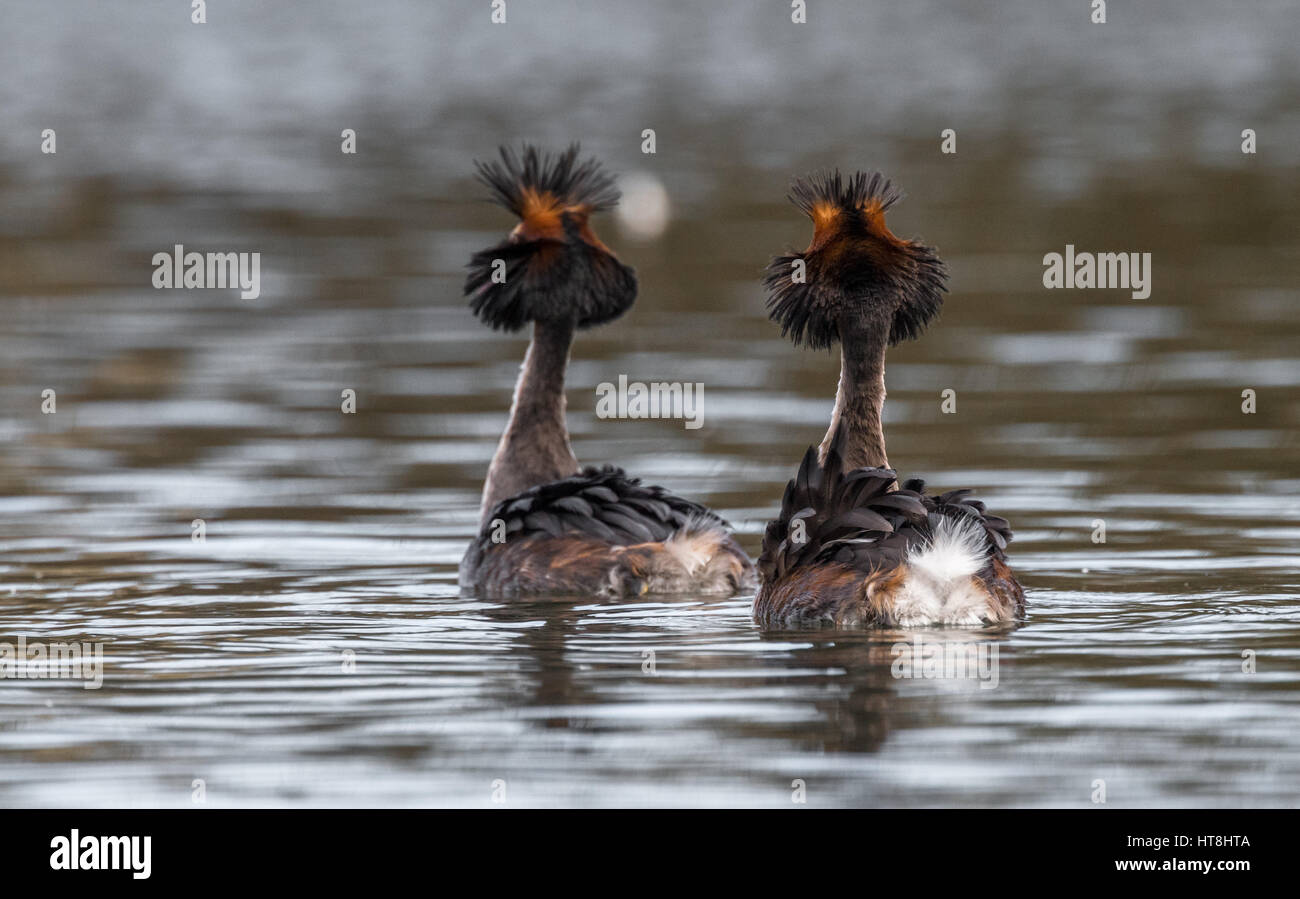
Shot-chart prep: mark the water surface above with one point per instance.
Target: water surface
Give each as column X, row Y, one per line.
column 314, row 649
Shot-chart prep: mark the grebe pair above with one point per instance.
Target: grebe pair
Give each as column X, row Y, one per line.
column 850, row 548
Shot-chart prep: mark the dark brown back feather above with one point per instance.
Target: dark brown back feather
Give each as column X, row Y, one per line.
column 853, row 519
column 599, row 502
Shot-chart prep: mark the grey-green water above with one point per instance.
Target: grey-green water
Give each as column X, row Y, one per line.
column 333, row 537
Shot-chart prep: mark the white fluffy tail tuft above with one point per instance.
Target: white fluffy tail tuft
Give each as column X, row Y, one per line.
column 956, row 551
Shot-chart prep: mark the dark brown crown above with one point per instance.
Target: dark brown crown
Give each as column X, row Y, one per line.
column 853, row 266
column 555, row 268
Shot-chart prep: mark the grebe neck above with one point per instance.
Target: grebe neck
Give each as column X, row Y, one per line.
column 535, row 446
column 860, row 399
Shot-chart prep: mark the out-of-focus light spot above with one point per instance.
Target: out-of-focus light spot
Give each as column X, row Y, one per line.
column 644, row 211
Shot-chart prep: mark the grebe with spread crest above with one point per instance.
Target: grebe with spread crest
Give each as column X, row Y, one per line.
column 547, row 527
column 851, row 548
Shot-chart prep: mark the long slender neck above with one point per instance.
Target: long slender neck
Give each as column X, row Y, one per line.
column 860, row 400
column 535, row 446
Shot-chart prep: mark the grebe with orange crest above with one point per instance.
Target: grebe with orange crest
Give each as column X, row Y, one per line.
column 851, row 546
column 546, row 525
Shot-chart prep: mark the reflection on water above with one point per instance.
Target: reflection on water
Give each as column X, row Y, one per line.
column 332, row 539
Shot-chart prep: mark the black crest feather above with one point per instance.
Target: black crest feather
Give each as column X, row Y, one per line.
column 854, row 265
column 562, row 175
column 831, row 188
column 563, row 273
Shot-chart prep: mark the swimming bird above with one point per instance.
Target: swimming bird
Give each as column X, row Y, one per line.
column 851, row 547
column 547, row 526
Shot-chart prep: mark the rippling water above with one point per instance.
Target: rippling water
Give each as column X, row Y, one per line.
column 332, row 539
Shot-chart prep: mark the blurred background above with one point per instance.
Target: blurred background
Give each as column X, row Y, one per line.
column 329, row 532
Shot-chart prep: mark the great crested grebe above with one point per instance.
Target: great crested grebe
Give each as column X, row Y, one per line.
column 546, row 526
column 851, row 548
